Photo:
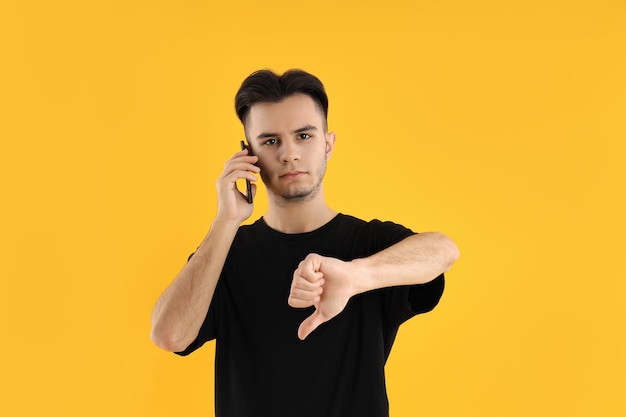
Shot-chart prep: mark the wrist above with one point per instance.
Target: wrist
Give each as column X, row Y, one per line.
column 222, row 230
column 362, row 280
column 225, row 224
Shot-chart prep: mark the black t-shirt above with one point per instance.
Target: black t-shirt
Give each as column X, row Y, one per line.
column 262, row 368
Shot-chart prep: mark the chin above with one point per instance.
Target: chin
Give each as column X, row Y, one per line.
column 298, row 194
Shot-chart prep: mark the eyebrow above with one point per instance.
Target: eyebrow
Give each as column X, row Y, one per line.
column 306, row 128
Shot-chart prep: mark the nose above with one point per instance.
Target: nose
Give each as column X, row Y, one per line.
column 289, row 152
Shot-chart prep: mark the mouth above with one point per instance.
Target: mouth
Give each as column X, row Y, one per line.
column 292, row 174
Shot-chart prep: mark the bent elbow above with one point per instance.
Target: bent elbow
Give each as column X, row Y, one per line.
column 454, row 253
column 167, row 340
column 451, row 251
column 162, row 340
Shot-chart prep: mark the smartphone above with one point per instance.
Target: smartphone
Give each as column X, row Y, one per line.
column 248, row 186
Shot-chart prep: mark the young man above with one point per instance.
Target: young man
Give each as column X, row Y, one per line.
column 305, row 303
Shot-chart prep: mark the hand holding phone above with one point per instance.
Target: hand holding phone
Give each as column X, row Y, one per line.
column 248, row 186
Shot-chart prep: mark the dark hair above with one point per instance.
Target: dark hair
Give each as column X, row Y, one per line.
column 266, row 86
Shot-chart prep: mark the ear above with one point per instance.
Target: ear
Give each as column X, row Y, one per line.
column 330, row 144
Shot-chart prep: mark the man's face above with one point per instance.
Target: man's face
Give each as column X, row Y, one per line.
column 290, row 140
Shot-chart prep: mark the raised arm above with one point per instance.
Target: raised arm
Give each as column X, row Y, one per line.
column 328, row 283
column 181, row 309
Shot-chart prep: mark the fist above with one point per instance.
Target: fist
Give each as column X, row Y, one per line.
column 323, row 282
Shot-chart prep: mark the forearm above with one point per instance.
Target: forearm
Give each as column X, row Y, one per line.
column 417, row 259
column 181, row 309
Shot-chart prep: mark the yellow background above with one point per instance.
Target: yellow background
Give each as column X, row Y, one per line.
column 499, row 123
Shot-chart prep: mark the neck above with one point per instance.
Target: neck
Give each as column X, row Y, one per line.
column 298, row 216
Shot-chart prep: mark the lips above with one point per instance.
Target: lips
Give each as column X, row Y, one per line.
column 292, row 174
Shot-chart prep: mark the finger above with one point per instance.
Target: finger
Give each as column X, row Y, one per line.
column 235, row 166
column 240, row 165
column 302, row 303
column 243, row 152
column 307, row 273
column 232, row 177
column 309, row 324
column 306, row 285
column 242, row 156
column 300, row 298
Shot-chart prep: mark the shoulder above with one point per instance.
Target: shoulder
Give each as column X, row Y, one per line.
column 372, row 235
column 373, row 225
column 253, row 229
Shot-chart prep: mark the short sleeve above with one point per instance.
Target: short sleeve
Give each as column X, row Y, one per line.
column 425, row 297
column 206, row 333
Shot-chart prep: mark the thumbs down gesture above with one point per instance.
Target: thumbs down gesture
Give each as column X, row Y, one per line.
column 324, row 283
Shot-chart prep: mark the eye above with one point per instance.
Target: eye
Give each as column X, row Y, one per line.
column 304, row 136
column 269, row 142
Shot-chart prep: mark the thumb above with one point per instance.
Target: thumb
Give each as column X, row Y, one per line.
column 309, row 324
